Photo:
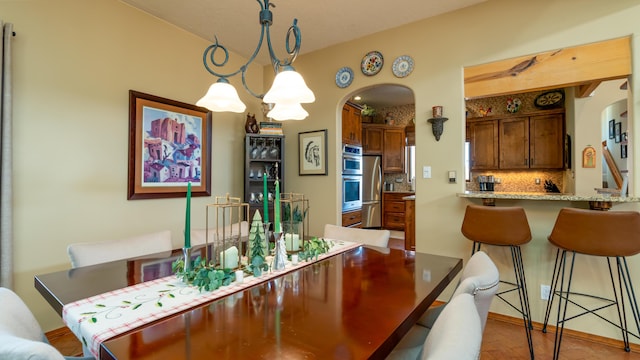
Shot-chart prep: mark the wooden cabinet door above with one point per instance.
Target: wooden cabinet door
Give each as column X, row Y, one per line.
column 483, row 138
column 546, row 138
column 351, row 125
column 352, row 219
column 393, row 154
column 514, row 143
column 373, row 140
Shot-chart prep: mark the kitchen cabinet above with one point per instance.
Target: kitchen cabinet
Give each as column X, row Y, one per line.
column 387, row 141
column 262, row 153
column 534, row 142
column 530, row 141
column 393, row 151
column 351, row 125
column 393, row 214
column 373, row 140
column 410, row 224
column 483, row 140
column 352, row 219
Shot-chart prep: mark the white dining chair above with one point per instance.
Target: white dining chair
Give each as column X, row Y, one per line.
column 85, row 254
column 480, row 278
column 457, row 333
column 21, row 337
column 199, row 236
column 364, row 236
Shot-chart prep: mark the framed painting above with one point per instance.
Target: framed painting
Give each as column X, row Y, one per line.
column 612, row 128
column 618, row 132
column 169, row 146
column 312, row 152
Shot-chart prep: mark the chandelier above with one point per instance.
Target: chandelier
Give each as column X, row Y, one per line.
column 288, row 90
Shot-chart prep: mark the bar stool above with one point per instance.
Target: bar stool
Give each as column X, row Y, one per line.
column 610, row 234
column 503, row 226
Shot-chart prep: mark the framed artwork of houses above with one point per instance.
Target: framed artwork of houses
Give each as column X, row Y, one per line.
column 169, row 145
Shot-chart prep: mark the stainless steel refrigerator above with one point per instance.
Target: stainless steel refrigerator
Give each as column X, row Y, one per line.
column 371, row 191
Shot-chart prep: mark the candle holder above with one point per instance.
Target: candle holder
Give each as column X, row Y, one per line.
column 226, row 215
column 186, row 251
column 295, row 221
column 268, row 235
column 280, row 257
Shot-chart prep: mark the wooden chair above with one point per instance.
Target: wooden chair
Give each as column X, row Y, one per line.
column 21, row 337
column 365, row 236
column 85, row 254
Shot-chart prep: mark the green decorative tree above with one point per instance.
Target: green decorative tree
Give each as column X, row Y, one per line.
column 257, row 246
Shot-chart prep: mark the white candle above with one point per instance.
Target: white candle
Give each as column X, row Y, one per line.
column 239, row 276
column 292, row 242
column 230, row 258
column 294, row 259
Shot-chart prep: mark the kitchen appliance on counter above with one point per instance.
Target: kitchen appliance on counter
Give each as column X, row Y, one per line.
column 486, row 182
column 372, row 191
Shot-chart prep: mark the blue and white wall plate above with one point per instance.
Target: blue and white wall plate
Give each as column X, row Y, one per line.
column 402, row 66
column 344, row 77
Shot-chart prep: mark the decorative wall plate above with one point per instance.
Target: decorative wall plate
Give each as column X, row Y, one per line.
column 372, row 63
column 344, row 77
column 402, row 66
column 549, row 99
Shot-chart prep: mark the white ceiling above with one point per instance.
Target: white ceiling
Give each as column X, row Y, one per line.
column 322, row 23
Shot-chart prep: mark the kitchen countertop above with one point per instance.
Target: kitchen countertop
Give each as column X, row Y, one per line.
column 544, row 196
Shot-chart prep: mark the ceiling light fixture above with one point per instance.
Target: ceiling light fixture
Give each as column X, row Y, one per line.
column 288, row 90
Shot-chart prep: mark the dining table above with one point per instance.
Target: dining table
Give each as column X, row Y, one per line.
column 353, row 304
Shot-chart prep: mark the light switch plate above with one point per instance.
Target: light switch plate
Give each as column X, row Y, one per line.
column 426, row 172
column 452, row 177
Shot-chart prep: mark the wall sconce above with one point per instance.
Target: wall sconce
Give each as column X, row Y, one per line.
column 437, row 122
column 288, row 90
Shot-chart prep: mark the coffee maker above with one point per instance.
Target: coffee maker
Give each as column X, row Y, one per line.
column 486, row 182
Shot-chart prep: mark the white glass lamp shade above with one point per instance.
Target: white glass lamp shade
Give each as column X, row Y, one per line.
column 222, row 96
column 288, row 111
column 289, row 87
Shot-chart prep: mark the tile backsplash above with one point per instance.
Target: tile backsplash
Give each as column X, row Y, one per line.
column 519, row 181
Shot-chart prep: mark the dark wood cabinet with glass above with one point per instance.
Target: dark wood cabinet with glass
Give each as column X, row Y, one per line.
column 263, row 154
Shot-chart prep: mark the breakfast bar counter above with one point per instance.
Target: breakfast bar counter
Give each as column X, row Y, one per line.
column 596, row 202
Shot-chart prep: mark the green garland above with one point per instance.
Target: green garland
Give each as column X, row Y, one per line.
column 207, row 277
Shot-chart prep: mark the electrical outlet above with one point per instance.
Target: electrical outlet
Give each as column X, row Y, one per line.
column 545, row 291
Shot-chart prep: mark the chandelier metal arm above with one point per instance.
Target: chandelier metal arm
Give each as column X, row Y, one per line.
column 266, row 19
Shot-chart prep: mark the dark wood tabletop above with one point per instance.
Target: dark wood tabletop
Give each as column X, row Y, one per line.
column 354, row 305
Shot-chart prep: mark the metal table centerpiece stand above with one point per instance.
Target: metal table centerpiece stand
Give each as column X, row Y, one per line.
column 226, row 215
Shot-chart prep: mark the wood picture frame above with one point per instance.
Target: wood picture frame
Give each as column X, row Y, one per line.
column 312, row 152
column 169, row 145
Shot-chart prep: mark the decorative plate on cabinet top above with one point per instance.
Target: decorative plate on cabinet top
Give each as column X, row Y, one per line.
column 372, row 63
column 402, row 66
column 344, row 77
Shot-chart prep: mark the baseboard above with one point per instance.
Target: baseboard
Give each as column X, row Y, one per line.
column 567, row 332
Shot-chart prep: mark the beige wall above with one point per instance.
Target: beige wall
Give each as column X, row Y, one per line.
column 74, row 63
column 441, row 47
column 76, row 60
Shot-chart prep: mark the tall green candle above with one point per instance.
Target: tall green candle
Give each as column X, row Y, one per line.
column 187, row 220
column 265, row 199
column 276, row 209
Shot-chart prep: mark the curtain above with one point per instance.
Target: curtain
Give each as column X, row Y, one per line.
column 6, row 188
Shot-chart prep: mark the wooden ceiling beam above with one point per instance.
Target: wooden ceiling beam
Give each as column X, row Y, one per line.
column 572, row 66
